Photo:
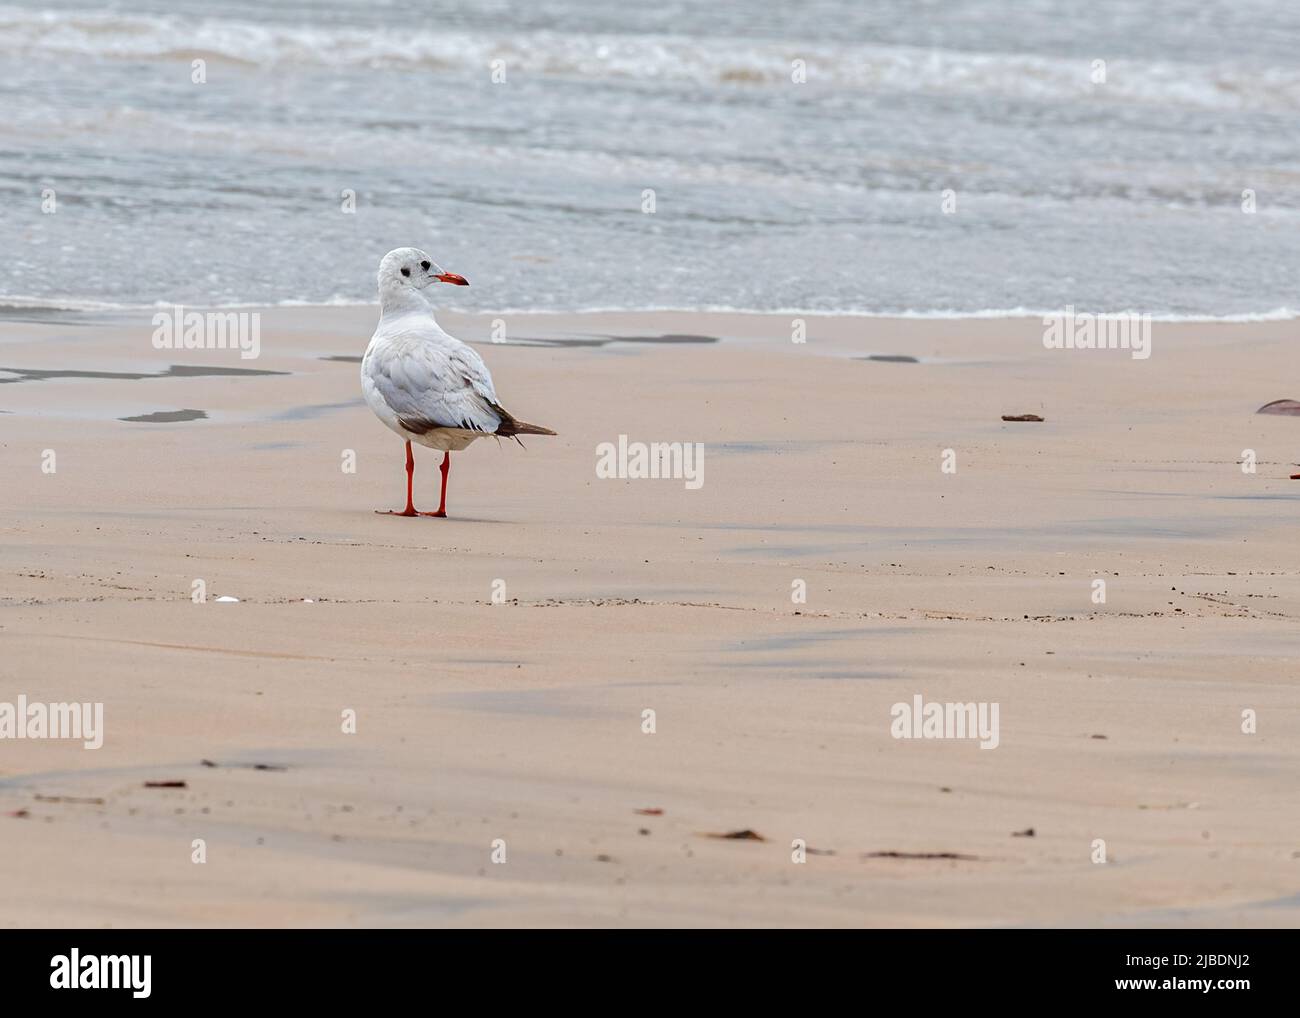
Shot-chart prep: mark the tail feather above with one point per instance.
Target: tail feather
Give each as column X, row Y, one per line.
column 523, row 428
column 509, row 427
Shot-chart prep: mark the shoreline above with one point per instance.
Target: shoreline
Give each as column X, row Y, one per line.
column 17, row 305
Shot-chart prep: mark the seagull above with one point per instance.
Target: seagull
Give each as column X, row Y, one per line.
column 425, row 385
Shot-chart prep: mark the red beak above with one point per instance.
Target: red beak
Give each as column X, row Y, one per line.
column 451, row 277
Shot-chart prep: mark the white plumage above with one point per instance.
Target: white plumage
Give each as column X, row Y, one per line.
column 428, row 386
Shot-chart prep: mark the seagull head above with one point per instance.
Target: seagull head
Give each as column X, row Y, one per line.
column 411, row 267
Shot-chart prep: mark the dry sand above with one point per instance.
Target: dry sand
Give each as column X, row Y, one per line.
column 523, row 721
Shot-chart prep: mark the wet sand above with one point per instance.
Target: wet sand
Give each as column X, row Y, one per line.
column 522, row 721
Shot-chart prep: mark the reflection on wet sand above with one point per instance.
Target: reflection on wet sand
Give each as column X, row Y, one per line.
column 167, row 417
column 173, row 371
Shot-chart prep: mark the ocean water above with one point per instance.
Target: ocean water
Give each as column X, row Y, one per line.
column 821, row 195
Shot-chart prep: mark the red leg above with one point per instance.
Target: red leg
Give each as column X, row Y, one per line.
column 410, row 481
column 442, row 502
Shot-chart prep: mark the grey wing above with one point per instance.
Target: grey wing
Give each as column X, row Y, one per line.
column 436, row 385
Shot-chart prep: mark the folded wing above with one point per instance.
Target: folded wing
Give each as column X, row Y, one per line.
column 442, row 384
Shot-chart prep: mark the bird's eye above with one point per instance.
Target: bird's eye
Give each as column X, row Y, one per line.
column 425, row 266
column 406, row 272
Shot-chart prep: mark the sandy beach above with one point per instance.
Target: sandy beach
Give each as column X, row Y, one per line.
column 517, row 727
